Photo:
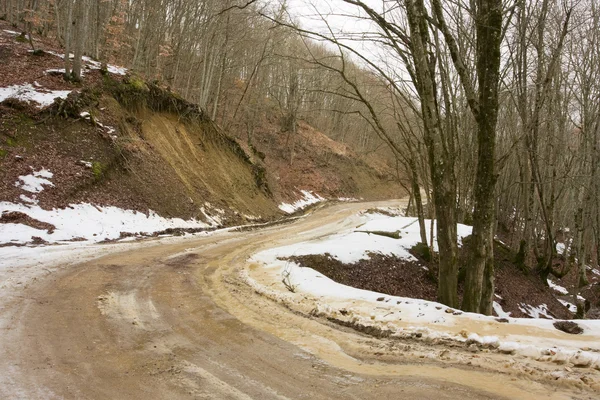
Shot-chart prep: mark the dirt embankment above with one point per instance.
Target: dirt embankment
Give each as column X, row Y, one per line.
column 121, row 141
column 129, row 154
column 309, row 159
column 515, row 288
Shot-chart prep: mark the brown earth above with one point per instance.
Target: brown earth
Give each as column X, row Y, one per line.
column 310, row 160
column 15, row 217
column 418, row 279
column 155, row 159
column 155, row 162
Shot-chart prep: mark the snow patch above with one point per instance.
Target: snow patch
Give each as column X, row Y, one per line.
column 93, row 64
column 35, row 182
column 557, row 288
column 572, row 307
column 499, row 311
column 28, row 93
column 30, row 200
column 307, row 199
column 15, row 33
column 540, row 311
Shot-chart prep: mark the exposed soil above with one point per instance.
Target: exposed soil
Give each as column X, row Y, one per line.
column 15, row 217
column 309, row 159
column 418, row 279
column 136, row 155
column 379, row 273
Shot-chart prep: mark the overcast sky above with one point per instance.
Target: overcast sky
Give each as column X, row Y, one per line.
column 345, row 20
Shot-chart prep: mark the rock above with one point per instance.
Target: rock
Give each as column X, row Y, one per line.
column 473, row 348
column 568, row 327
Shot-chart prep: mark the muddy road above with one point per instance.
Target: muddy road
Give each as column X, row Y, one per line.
column 174, row 321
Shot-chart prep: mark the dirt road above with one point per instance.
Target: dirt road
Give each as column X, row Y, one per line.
column 174, row 321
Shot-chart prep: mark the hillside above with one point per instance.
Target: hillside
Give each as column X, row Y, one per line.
column 116, row 140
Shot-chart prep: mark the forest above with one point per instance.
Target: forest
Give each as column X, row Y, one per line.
column 488, row 109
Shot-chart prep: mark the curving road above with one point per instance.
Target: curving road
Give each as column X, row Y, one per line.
column 173, row 321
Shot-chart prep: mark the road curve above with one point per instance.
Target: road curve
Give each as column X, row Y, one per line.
column 174, row 321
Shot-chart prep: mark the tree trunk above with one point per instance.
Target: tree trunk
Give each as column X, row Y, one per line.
column 442, row 171
column 478, row 298
column 416, row 194
column 81, row 29
column 68, row 41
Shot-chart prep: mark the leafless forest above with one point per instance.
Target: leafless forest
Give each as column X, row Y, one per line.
column 489, row 108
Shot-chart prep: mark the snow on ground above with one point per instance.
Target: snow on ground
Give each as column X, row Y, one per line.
column 15, row 33
column 499, row 311
column 109, row 129
column 356, row 244
column 307, row 199
column 557, row 288
column 87, row 222
column 540, row 311
column 572, row 307
column 35, row 181
column 594, row 270
column 113, row 69
column 28, row 93
column 93, row 64
column 405, row 317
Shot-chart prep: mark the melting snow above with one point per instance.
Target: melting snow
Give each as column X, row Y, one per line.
column 26, row 199
column 109, row 129
column 572, row 307
column 87, row 221
column 35, row 182
column 558, row 288
column 93, row 64
column 405, row 317
column 308, row 198
column 540, row 311
column 27, row 92
column 15, row 33
column 499, row 311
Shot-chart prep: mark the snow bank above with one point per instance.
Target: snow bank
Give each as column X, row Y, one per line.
column 316, row 294
column 307, row 199
column 356, row 244
column 87, row 222
column 28, row 93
